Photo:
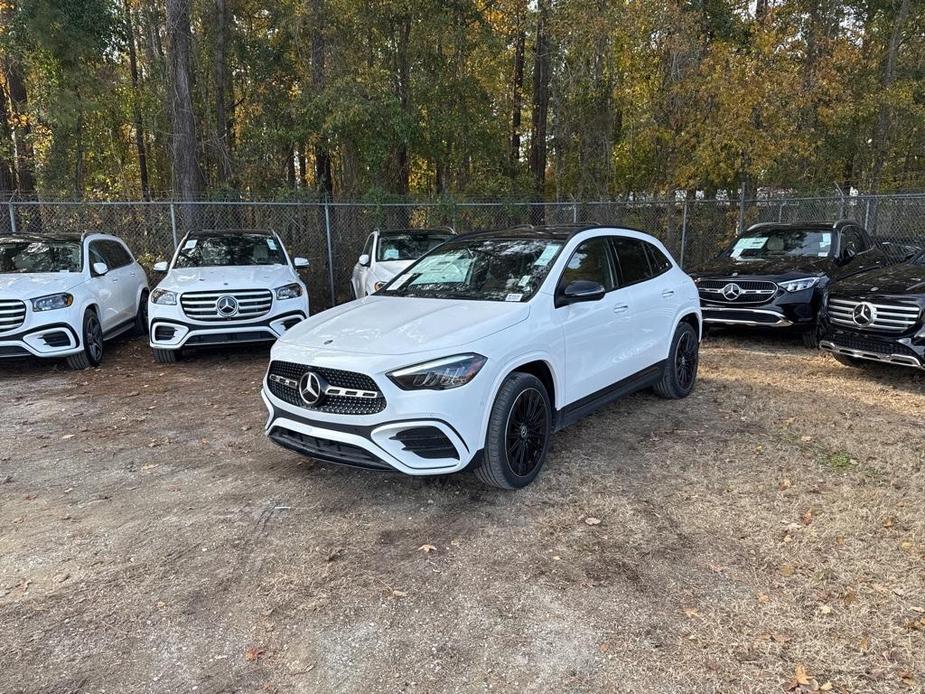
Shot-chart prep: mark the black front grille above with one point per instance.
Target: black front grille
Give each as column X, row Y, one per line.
column 326, row 449
column 718, row 314
column 426, row 442
column 861, row 343
column 229, row 338
column 335, row 377
column 13, row 351
column 58, row 338
column 750, row 291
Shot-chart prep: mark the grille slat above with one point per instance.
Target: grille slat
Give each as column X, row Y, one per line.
column 752, row 291
column 332, row 404
column 894, row 318
column 12, row 314
column 252, row 303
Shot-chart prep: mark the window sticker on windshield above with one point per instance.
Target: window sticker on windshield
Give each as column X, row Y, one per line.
column 752, row 243
column 514, row 297
column 189, row 245
column 390, row 254
column 271, row 243
column 548, row 253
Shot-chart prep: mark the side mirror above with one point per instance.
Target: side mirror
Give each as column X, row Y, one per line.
column 160, row 266
column 579, row 291
column 100, row 269
column 364, row 260
column 300, row 263
column 847, row 255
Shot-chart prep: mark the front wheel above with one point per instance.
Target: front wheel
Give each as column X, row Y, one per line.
column 141, row 316
column 680, row 372
column 166, row 356
column 92, row 353
column 519, row 430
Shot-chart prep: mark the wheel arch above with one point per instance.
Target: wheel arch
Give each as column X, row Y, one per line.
column 540, row 365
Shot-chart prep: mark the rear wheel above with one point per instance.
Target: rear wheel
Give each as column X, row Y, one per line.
column 519, row 430
column 166, row 356
column 92, row 353
column 680, row 372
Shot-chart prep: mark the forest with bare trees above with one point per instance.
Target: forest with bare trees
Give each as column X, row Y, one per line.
column 382, row 99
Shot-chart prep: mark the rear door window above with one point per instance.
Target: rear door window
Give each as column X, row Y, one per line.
column 632, row 260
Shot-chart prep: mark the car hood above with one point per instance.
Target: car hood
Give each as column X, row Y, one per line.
column 384, row 325
column 227, row 278
column 32, row 285
column 726, row 266
column 905, row 278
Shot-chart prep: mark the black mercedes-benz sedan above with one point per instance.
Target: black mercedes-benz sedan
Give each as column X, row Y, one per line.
column 777, row 275
column 878, row 316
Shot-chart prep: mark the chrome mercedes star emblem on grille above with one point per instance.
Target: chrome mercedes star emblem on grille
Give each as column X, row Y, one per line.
column 864, row 314
column 311, row 389
column 732, row 291
column 227, row 305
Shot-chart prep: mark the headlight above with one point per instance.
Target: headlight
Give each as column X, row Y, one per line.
column 799, row 285
column 440, row 374
column 290, row 291
column 51, row 302
column 164, row 297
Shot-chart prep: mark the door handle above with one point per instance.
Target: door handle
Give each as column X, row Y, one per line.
column 621, row 308
column 667, row 293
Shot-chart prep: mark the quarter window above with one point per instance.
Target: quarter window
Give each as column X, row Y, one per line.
column 632, row 260
column 657, row 260
column 591, row 262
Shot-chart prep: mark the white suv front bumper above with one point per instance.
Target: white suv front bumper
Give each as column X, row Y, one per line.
column 45, row 334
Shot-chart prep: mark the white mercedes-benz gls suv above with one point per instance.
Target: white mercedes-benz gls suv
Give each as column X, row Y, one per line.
column 387, row 253
column 63, row 295
column 477, row 353
column 225, row 287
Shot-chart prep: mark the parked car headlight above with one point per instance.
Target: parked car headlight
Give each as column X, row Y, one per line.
column 290, row 291
column 164, row 297
column 51, row 302
column 440, row 374
column 800, row 285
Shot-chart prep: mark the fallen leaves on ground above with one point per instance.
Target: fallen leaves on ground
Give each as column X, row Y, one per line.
column 427, row 549
column 254, row 653
column 802, row 682
column 591, row 520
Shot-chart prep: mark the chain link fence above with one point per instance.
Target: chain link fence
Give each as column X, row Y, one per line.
column 331, row 235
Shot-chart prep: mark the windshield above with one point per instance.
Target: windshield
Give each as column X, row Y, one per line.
column 20, row 255
column 225, row 250
column 410, row 246
column 486, row 269
column 760, row 244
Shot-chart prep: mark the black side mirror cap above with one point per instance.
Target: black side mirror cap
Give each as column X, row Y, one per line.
column 579, row 291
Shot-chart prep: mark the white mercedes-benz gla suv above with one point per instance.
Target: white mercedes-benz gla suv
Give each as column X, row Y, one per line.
column 225, row 287
column 63, row 295
column 477, row 353
column 387, row 253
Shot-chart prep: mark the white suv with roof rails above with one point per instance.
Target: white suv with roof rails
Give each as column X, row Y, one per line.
column 474, row 355
column 63, row 295
column 388, row 252
column 225, row 287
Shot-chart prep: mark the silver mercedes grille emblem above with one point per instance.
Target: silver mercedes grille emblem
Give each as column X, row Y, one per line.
column 864, row 314
column 311, row 389
column 732, row 291
column 227, row 306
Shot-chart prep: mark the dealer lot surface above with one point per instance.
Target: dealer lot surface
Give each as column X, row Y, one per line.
column 152, row 540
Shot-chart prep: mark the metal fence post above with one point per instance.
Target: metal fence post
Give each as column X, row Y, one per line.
column 683, row 233
column 867, row 215
column 574, row 212
column 12, row 217
column 173, row 224
column 327, row 234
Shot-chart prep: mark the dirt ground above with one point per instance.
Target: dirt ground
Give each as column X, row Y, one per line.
column 766, row 533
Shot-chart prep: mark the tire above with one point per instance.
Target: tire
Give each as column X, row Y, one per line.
column 811, row 336
column 166, row 356
column 519, row 431
column 141, row 316
column 680, row 374
column 850, row 361
column 92, row 341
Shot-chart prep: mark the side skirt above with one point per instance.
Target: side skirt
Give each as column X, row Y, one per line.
column 119, row 329
column 582, row 408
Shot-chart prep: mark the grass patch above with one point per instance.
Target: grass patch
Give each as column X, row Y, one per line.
column 839, row 460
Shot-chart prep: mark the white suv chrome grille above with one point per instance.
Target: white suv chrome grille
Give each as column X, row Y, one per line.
column 867, row 315
column 233, row 305
column 12, row 314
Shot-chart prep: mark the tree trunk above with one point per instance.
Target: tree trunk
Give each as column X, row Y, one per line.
column 22, row 131
column 187, row 180
column 517, row 87
column 323, row 177
column 882, row 133
column 540, row 102
column 223, row 124
column 403, row 91
column 136, row 105
column 7, row 169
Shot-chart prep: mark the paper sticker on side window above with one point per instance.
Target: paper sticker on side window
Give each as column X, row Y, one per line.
column 189, row 245
column 271, row 243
